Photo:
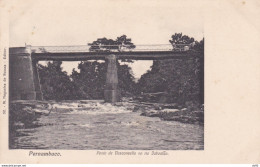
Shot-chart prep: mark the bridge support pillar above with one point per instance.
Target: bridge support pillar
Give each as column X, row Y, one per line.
column 23, row 78
column 112, row 92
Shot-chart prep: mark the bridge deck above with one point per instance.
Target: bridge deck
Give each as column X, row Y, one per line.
column 135, row 55
column 84, row 52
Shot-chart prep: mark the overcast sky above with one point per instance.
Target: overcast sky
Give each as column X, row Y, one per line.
column 72, row 22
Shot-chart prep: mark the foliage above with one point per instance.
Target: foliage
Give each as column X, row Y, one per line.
column 90, row 81
column 103, row 44
column 126, row 80
column 124, row 43
column 121, row 44
column 178, row 38
column 199, row 46
column 182, row 79
column 106, row 45
column 55, row 83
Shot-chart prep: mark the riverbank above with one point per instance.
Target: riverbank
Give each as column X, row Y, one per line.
column 190, row 113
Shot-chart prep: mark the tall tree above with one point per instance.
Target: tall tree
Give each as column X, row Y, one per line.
column 103, row 45
column 178, row 40
column 55, row 83
column 122, row 43
column 182, row 79
column 90, row 79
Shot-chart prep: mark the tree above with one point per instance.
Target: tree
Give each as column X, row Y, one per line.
column 90, row 80
column 55, row 83
column 178, row 40
column 124, row 43
column 182, row 79
column 126, row 80
column 103, row 45
column 199, row 46
column 106, row 45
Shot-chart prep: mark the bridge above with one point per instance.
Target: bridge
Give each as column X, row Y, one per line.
column 24, row 78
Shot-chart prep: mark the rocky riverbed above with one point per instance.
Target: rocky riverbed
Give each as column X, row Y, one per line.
column 29, row 111
column 189, row 113
column 93, row 124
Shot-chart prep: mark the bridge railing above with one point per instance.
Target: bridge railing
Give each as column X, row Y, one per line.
column 107, row 48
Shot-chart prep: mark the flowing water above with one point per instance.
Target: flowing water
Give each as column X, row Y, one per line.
column 102, row 126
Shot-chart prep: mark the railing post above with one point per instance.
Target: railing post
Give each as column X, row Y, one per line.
column 112, row 92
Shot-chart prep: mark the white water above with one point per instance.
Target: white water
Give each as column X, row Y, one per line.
column 97, row 125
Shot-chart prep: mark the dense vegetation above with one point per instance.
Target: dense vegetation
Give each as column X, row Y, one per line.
column 181, row 80
column 104, row 44
column 88, row 83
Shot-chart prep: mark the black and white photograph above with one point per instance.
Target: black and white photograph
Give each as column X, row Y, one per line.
column 110, row 75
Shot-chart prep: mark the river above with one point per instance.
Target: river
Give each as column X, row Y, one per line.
column 102, row 126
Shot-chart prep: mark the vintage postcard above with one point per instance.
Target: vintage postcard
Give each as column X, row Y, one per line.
column 129, row 81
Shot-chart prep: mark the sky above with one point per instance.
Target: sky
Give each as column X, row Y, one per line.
column 78, row 22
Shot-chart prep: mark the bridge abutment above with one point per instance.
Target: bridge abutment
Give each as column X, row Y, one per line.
column 111, row 92
column 24, row 78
